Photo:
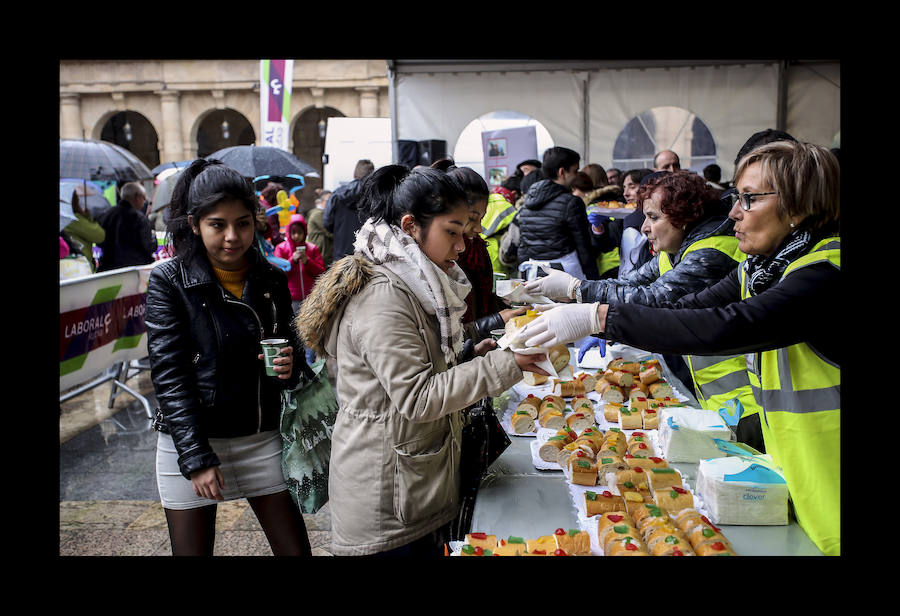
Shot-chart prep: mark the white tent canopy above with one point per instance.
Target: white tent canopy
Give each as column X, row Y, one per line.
column 586, row 105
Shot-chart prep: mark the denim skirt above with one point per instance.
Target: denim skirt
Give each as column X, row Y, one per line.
column 251, row 466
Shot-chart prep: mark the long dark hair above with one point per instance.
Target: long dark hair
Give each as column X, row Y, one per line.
column 200, row 187
column 393, row 191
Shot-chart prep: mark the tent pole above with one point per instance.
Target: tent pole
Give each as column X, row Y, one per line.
column 781, row 111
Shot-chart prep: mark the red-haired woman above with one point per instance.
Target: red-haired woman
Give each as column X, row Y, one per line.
column 695, row 247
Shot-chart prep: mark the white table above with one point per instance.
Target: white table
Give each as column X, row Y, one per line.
column 517, row 499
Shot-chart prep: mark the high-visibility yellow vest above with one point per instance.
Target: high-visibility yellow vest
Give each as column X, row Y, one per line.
column 800, row 394
column 717, row 378
column 497, row 217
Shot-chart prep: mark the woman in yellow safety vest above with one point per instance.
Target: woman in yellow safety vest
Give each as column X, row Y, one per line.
column 695, row 247
column 774, row 308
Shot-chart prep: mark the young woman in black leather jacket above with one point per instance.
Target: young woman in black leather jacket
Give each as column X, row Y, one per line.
column 219, row 413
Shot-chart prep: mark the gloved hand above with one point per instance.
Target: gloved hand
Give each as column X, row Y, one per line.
column 556, row 285
column 597, row 219
column 589, row 343
column 561, row 325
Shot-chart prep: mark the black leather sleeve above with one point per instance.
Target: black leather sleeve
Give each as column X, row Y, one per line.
column 169, row 345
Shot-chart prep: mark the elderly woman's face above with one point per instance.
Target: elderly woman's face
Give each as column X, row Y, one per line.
column 759, row 230
column 660, row 233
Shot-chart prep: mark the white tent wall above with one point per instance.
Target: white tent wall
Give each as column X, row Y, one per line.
column 438, row 99
column 441, row 105
column 814, row 102
column 733, row 101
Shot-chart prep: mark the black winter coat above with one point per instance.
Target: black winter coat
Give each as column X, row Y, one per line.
column 698, row 270
column 130, row 239
column 203, row 344
column 714, row 321
column 341, row 217
column 553, row 222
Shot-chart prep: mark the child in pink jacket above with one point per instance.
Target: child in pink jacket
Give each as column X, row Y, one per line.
column 306, row 264
column 306, row 260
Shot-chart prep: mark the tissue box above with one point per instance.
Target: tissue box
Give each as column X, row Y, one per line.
column 748, row 491
column 688, row 434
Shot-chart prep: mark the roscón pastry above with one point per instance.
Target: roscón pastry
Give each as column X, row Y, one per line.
column 661, row 389
column 674, row 499
column 611, row 411
column 602, row 502
column 559, row 357
column 522, row 422
column 589, row 380
column 582, row 470
column 663, row 478
column 520, row 321
column 531, row 404
column 573, row 542
column 610, row 392
column 582, row 403
column 482, row 540
column 552, row 418
column 579, row 420
column 649, row 419
column 568, row 389
column 533, row 378
column 629, row 419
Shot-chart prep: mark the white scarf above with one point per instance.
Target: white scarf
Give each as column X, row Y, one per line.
column 440, row 293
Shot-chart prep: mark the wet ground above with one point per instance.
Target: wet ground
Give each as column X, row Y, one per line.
column 108, row 500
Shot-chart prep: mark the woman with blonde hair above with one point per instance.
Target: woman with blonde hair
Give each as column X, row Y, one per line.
column 774, row 309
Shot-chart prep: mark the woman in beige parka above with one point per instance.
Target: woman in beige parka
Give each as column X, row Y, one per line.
column 389, row 316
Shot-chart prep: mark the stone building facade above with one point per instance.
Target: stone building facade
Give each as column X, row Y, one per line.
column 173, row 110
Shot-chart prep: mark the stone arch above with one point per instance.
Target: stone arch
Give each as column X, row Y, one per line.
column 133, row 131
column 209, row 135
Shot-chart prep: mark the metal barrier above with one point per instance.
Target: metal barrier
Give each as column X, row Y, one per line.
column 102, row 333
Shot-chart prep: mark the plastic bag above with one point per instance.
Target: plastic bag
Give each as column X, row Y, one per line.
column 308, row 414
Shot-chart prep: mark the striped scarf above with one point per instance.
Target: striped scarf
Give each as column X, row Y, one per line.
column 763, row 271
column 441, row 294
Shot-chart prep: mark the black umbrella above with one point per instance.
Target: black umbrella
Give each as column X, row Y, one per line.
column 100, row 160
column 253, row 161
column 178, row 164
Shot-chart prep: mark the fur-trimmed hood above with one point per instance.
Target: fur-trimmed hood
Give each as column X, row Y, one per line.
column 344, row 279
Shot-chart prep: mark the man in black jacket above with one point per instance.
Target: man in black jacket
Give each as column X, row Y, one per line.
column 341, row 217
column 553, row 223
column 130, row 239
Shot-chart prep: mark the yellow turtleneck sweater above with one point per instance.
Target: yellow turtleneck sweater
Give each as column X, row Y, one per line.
column 233, row 281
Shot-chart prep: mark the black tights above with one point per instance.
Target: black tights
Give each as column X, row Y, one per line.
column 192, row 532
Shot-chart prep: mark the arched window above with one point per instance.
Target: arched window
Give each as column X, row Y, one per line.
column 135, row 133
column 664, row 128
column 469, row 149
column 223, row 128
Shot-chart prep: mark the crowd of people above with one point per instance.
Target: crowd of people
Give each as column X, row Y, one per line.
column 390, row 279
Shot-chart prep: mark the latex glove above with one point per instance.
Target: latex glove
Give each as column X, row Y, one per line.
column 562, row 325
column 590, row 343
column 556, row 285
column 597, row 219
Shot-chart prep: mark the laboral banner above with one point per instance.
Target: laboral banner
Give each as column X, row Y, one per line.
column 101, row 322
column 275, row 77
column 504, row 149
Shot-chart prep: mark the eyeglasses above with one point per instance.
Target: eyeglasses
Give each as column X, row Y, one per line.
column 746, row 198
